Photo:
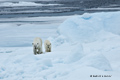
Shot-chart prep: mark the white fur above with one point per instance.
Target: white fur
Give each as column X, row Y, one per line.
column 47, row 45
column 37, row 46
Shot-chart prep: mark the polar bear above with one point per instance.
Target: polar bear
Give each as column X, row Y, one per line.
column 37, row 46
column 47, row 45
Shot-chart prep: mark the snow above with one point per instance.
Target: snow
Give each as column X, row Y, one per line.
column 77, row 25
column 89, row 25
column 104, row 9
column 27, row 29
column 84, row 45
column 24, row 0
column 23, row 3
column 96, row 60
column 77, row 50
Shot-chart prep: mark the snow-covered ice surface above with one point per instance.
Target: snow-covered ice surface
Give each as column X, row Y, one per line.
column 85, row 45
column 103, row 9
column 16, row 32
column 23, row 3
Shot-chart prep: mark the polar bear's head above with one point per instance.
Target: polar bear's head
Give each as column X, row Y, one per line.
column 35, row 45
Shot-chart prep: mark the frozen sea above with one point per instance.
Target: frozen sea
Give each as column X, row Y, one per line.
column 83, row 45
column 22, row 16
column 44, row 15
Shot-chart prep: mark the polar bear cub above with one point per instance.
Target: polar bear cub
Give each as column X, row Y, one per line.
column 47, row 45
column 37, row 46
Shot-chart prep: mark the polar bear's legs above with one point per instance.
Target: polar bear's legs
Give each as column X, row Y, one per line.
column 34, row 50
column 50, row 50
column 37, row 51
column 40, row 51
